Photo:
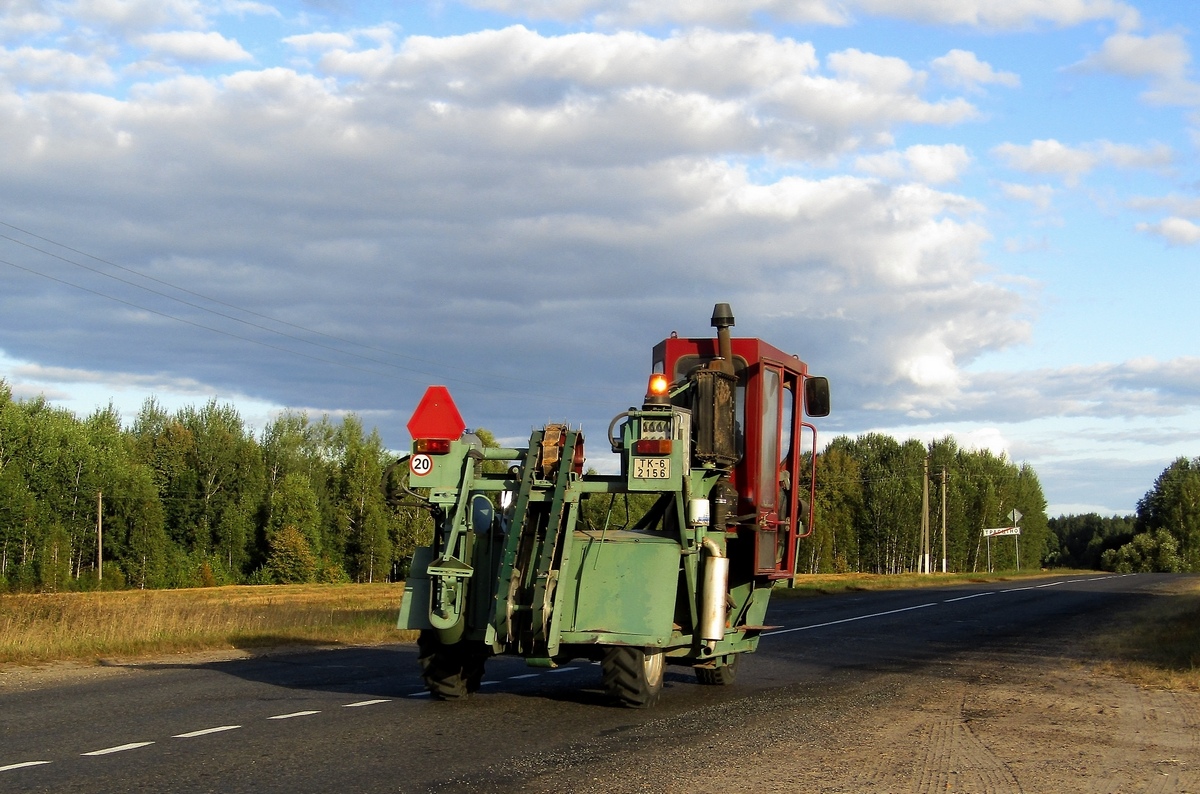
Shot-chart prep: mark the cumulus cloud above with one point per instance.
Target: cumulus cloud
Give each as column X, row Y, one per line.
column 194, row 47
column 1164, row 55
column 1072, row 163
column 1176, row 231
column 1040, row 196
column 962, row 69
column 932, row 165
column 135, row 16
column 35, row 68
column 25, row 19
column 693, row 91
column 1163, row 59
column 984, row 14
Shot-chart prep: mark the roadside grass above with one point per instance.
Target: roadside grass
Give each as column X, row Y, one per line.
column 131, row 623
column 1158, row 644
column 818, row 584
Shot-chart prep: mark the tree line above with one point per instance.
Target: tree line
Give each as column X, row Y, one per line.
column 869, row 498
column 192, row 498
column 1162, row 535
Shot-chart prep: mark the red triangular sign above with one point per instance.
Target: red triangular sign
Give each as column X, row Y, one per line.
column 436, row 416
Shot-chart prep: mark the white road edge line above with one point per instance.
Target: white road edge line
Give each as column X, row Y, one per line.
column 968, row 598
column 293, row 714
column 120, row 748
column 375, row 702
column 22, row 765
column 205, row 731
column 848, row 620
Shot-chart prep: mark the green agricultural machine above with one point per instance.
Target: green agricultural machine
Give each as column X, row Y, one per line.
column 674, row 564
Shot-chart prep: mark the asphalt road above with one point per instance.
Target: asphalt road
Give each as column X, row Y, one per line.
column 351, row 720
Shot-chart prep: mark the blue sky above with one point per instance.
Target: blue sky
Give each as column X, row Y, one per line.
column 977, row 218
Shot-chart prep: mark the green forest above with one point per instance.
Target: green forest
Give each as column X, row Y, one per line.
column 192, row 498
column 195, row 498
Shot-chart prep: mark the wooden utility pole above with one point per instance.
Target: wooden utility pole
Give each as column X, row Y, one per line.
column 100, row 536
column 944, row 569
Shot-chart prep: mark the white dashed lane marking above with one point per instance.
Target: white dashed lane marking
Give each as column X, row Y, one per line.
column 968, row 598
column 293, row 714
column 361, row 703
column 22, row 765
column 206, row 731
column 120, row 748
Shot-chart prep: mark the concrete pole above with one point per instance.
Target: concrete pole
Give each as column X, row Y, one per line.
column 925, row 567
column 99, row 536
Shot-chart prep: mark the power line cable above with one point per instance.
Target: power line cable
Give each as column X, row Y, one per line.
column 449, row 378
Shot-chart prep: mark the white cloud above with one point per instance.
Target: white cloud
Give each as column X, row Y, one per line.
column 932, row 165
column 1040, row 196
column 1007, row 15
column 1135, row 388
column 1072, row 163
column 243, row 8
column 985, row 14
column 962, row 69
column 21, row 19
column 1176, row 231
column 132, row 16
column 43, row 68
column 194, row 47
column 708, row 13
column 1162, row 58
column 693, row 91
column 1164, row 55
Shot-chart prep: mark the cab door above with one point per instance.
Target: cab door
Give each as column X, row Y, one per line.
column 779, row 506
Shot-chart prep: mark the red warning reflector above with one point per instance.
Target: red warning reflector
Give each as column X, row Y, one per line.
column 436, row 416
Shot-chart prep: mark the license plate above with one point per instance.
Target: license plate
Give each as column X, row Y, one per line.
column 652, row 468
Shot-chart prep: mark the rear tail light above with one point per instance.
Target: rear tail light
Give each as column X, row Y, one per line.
column 431, row 446
column 652, row 446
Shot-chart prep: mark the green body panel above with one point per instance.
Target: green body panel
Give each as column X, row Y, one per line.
column 414, row 609
column 621, row 588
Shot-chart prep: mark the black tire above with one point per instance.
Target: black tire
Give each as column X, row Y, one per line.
column 721, row 675
column 450, row 672
column 633, row 676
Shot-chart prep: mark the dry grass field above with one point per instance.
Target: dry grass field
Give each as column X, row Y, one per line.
column 79, row 626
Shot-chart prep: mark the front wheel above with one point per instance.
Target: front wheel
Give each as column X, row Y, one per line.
column 633, row 676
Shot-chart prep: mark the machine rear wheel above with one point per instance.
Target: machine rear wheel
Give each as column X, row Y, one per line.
column 720, row 675
column 633, row 676
column 450, row 672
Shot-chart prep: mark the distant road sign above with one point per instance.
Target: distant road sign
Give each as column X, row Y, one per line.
column 1000, row 531
column 1015, row 516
